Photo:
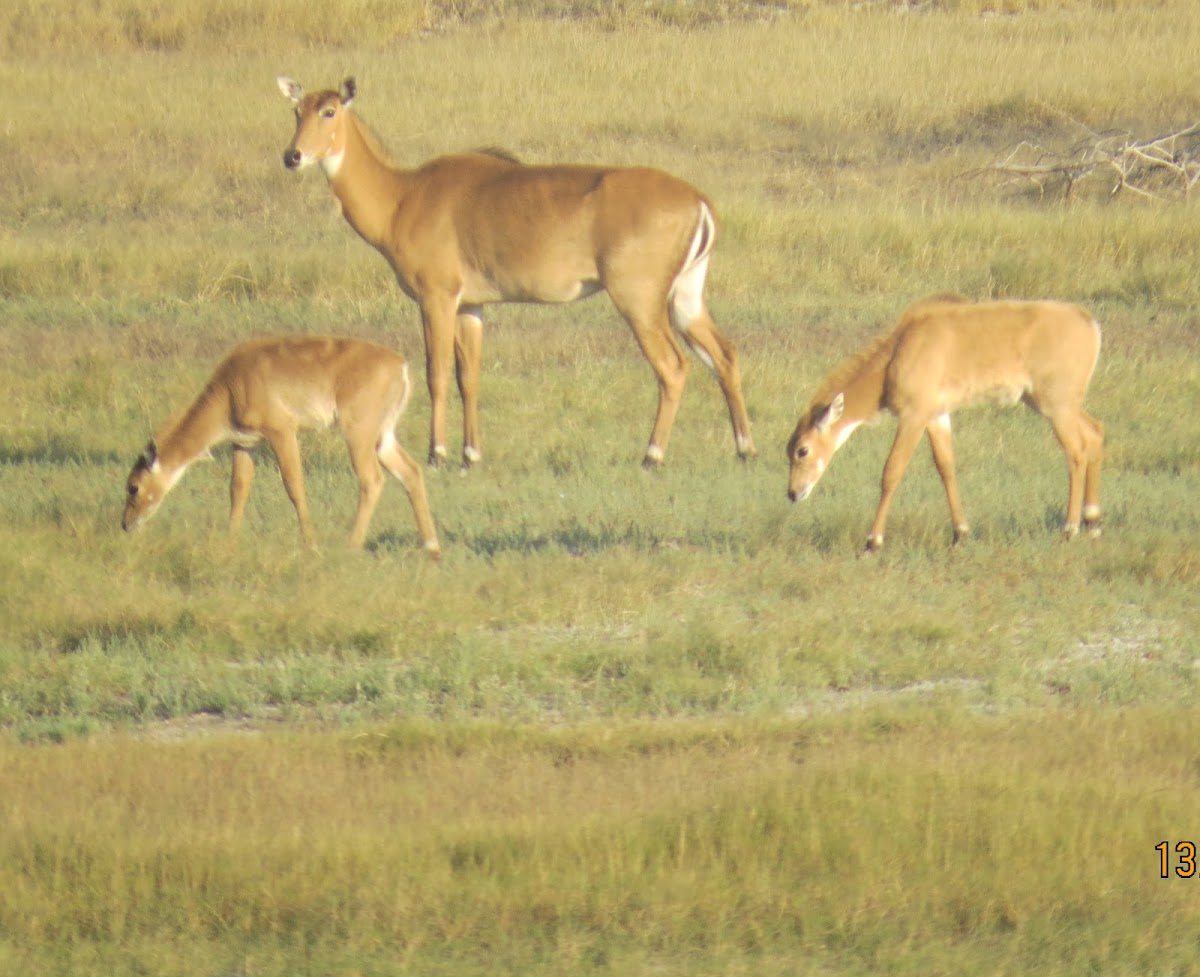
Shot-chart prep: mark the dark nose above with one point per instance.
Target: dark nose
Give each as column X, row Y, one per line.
column 291, row 158
column 792, row 494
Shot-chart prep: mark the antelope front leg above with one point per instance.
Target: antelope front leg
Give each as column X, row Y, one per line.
column 468, row 350
column 239, row 488
column 437, row 319
column 907, row 436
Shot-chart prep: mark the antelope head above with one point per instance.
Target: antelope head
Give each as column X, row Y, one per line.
column 320, row 135
column 812, row 445
column 147, row 486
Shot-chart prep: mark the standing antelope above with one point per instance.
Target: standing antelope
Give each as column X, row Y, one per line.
column 268, row 388
column 947, row 353
column 467, row 230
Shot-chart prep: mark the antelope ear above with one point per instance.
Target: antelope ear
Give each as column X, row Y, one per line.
column 150, row 454
column 831, row 414
column 349, row 90
column 292, row 90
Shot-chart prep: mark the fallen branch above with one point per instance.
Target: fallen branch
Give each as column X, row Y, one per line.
column 1138, row 166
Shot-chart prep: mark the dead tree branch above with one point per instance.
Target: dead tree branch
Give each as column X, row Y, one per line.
column 1144, row 167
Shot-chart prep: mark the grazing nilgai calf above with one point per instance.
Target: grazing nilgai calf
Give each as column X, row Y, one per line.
column 269, row 388
column 464, row 231
column 947, row 353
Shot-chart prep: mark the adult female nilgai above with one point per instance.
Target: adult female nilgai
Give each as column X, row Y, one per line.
column 268, row 388
column 463, row 231
column 947, row 353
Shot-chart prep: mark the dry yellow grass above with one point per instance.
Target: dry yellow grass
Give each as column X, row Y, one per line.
column 847, row 845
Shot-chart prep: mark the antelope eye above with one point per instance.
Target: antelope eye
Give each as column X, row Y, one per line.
column 328, row 113
column 132, row 490
column 801, row 453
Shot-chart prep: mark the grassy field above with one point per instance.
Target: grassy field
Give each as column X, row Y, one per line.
column 638, row 723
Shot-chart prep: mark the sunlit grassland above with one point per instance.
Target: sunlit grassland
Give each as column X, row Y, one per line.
column 635, row 722
column 910, row 842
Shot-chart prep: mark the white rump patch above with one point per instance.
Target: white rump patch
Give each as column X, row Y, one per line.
column 687, row 295
column 686, row 301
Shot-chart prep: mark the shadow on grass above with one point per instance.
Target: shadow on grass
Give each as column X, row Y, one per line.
column 575, row 539
column 57, row 450
column 134, row 631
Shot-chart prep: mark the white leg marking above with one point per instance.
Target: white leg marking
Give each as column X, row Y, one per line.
column 654, row 453
column 472, row 454
column 1091, row 512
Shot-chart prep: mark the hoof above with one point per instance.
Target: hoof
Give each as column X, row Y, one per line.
column 961, row 534
column 471, row 456
column 653, row 459
column 874, row 545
